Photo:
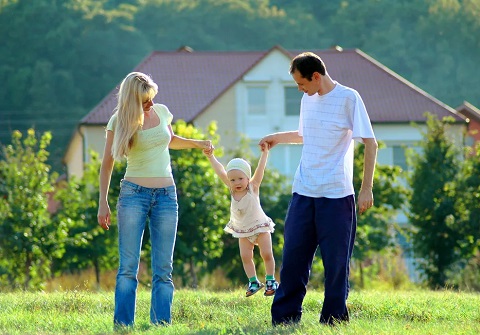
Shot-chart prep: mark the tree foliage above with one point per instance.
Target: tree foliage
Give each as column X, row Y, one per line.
column 29, row 240
column 222, row 25
column 87, row 244
column 468, row 203
column 201, row 206
column 433, row 181
column 466, row 272
column 376, row 228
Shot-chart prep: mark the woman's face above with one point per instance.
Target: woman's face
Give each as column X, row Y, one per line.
column 147, row 105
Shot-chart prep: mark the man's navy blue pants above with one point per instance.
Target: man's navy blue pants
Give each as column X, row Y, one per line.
column 310, row 223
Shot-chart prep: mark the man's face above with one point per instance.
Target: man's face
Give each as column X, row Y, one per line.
column 308, row 86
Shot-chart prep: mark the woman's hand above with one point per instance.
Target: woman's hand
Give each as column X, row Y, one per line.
column 103, row 215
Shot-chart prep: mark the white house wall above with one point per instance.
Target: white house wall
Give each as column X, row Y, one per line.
column 86, row 138
column 74, row 157
column 95, row 140
column 222, row 111
column 272, row 72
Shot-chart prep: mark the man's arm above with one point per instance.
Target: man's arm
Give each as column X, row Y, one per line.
column 290, row 137
column 365, row 197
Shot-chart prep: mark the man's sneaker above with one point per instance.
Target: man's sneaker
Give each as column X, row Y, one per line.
column 253, row 287
column 271, row 288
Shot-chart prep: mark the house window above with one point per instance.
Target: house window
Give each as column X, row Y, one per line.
column 256, row 100
column 292, row 101
column 399, row 157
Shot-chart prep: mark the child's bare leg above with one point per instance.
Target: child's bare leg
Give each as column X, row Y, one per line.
column 246, row 253
column 265, row 245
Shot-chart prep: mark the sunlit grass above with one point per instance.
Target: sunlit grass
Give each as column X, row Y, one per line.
column 229, row 312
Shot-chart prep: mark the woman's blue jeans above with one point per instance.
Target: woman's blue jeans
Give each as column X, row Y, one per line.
column 137, row 205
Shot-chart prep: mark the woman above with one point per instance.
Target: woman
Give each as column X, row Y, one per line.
column 141, row 132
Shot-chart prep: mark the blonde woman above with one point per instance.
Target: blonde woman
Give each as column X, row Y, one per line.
column 141, row 132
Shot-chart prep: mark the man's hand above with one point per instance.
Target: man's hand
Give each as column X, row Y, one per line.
column 365, row 199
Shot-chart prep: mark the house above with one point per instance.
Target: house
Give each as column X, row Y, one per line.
column 252, row 93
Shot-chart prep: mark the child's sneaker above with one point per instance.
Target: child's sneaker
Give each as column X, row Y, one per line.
column 253, row 287
column 271, row 288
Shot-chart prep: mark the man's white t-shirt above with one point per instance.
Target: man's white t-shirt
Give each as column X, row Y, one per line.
column 328, row 124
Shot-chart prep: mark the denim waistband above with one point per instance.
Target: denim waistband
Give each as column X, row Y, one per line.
column 139, row 188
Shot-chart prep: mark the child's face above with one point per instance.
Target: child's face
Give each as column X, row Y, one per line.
column 238, row 180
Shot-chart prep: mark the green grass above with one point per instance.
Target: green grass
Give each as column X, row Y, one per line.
column 206, row 312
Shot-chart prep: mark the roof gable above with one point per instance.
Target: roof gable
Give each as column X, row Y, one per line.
column 469, row 111
column 188, row 82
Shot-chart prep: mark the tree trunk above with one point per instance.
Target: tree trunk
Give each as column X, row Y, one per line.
column 360, row 267
column 193, row 273
column 28, row 264
column 96, row 267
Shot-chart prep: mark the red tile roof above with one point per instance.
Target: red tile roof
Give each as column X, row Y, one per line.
column 188, row 82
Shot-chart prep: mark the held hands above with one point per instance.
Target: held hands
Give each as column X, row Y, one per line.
column 264, row 146
column 269, row 141
column 205, row 145
column 208, row 151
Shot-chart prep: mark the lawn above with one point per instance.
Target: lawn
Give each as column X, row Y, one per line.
column 207, row 312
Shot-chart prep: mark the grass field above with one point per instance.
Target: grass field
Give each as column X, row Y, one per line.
column 206, row 312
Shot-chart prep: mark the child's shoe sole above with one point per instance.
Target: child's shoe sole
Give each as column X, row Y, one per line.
column 269, row 293
column 253, row 291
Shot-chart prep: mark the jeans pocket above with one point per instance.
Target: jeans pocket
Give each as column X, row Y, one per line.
column 127, row 189
column 172, row 193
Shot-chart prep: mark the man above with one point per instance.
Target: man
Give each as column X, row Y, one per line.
column 321, row 212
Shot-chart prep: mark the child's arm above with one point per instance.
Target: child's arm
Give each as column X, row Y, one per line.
column 262, row 163
column 217, row 166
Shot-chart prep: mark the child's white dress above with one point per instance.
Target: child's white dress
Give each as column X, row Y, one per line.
column 247, row 217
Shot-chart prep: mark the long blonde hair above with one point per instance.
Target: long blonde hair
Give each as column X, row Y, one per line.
column 136, row 88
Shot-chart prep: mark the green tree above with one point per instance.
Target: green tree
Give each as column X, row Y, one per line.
column 87, row 244
column 466, row 273
column 201, row 207
column 29, row 240
column 224, row 25
column 470, row 195
column 59, row 59
column 432, row 214
column 376, row 228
